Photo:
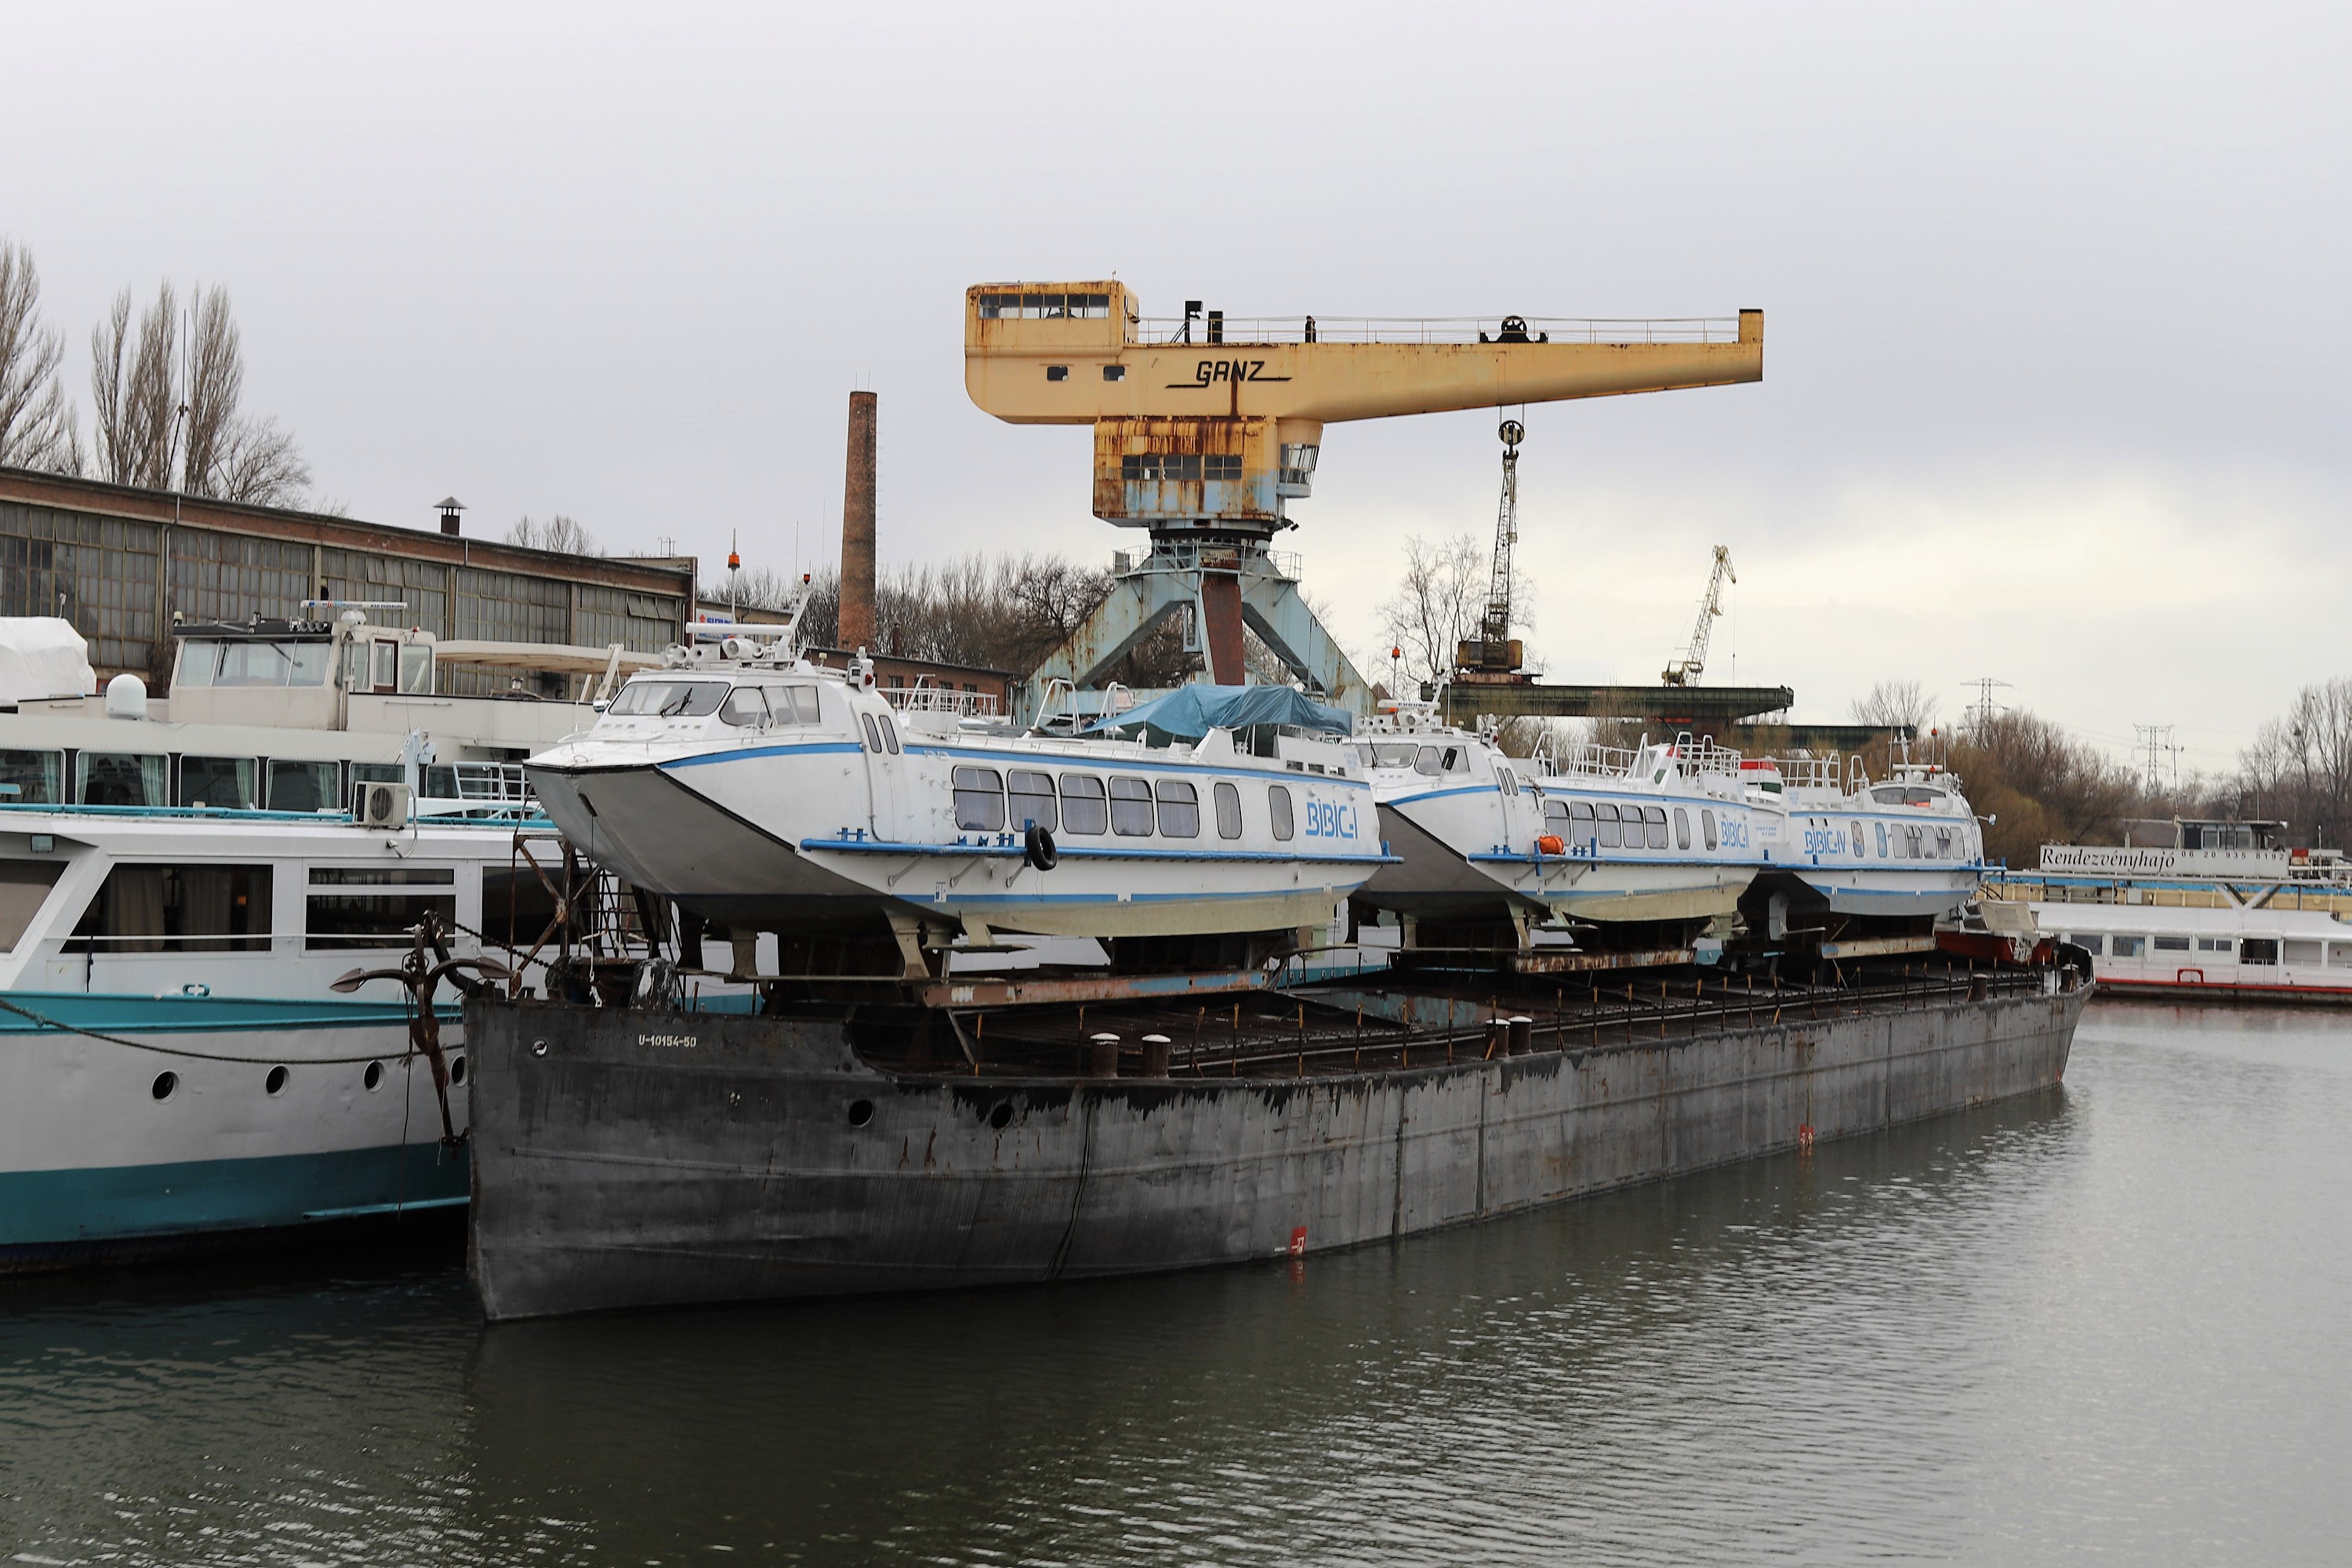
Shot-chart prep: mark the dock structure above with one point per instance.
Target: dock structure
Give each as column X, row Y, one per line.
column 627, row 1158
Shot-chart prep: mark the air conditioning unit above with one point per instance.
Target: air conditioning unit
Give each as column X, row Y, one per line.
column 383, row 804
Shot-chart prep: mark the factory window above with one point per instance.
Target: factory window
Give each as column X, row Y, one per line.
column 1083, row 810
column 1180, row 809
column 1032, row 800
column 303, row 786
column 1706, row 827
column 1278, row 800
column 1656, row 817
column 1229, row 818
column 224, row 783
column 232, row 576
column 32, row 778
column 24, row 887
column 99, row 573
column 745, row 708
column 1130, row 807
column 420, row 587
column 1114, row 372
column 120, row 778
column 979, row 799
column 177, row 909
column 1226, row 467
column 508, row 606
column 2172, row 944
column 1057, row 372
column 376, row 906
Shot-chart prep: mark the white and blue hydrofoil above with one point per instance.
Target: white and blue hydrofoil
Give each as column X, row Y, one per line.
column 766, row 794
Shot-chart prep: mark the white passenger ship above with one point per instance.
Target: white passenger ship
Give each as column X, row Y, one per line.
column 1862, row 860
column 764, row 794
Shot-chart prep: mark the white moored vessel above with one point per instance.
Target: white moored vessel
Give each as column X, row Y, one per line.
column 1653, row 833
column 764, row 794
column 1859, row 861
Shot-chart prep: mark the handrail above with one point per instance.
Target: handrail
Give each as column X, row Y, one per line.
column 1240, row 332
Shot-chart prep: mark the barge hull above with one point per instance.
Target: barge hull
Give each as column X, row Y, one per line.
column 624, row 1158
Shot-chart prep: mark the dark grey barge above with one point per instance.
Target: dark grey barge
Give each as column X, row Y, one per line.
column 626, row 1158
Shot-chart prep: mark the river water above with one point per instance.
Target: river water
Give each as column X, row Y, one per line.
column 2112, row 1321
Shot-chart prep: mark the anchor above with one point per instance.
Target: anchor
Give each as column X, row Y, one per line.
column 423, row 978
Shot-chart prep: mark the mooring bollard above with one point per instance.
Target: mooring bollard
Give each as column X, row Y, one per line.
column 1103, row 1060
column 1155, row 1055
column 1523, row 1035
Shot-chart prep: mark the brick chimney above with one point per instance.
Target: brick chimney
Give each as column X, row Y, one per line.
column 450, row 507
column 857, row 527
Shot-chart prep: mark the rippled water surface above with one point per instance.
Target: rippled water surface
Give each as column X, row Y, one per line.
column 2110, row 1322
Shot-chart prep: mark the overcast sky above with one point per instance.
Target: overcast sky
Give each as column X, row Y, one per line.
column 2055, row 382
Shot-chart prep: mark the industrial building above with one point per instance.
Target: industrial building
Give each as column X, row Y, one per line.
column 124, row 564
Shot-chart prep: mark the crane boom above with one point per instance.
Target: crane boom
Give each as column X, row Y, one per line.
column 1683, row 670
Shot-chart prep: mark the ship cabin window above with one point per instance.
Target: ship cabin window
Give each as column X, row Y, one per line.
column 1881, row 838
column 1556, row 818
column 1277, row 801
column 1856, row 836
column 1180, row 809
column 203, row 662
column 2301, row 950
column 224, row 783
column 416, row 669
column 1229, row 822
column 670, row 699
column 1429, row 761
column 873, row 735
column 375, row 906
column 2092, row 942
column 2258, row 949
column 384, row 662
column 745, row 708
column 32, row 778
column 1706, row 827
column 2172, row 944
column 1682, row 829
column 792, row 705
column 1911, row 839
column 1656, row 816
column 1082, row 808
column 979, row 798
column 303, row 786
column 177, row 909
column 2127, row 947
column 1507, row 780
column 1130, row 807
column 1032, row 801
column 1604, row 824
column 1943, row 844
column 890, row 734
column 1391, row 754
column 24, row 887
column 120, row 778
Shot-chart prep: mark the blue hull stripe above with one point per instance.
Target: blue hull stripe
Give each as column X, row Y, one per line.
column 50, row 1214
column 172, row 1014
column 1085, row 852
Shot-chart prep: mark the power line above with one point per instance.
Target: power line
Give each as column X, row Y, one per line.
column 1981, row 712
column 2158, row 742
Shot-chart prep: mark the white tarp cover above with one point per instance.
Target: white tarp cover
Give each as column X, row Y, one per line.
column 41, row 655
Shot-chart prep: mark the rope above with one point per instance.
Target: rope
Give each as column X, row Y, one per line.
column 64, row 1028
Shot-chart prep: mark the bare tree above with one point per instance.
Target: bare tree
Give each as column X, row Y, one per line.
column 1894, row 703
column 2299, row 768
column 215, row 381
column 164, row 421
column 1438, row 605
column 135, row 390
column 2042, row 785
column 38, row 429
column 558, row 533
column 259, row 463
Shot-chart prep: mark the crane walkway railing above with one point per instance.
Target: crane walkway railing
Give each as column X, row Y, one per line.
column 1240, row 331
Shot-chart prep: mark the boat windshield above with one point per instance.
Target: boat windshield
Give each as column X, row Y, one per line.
column 671, row 699
column 1388, row 754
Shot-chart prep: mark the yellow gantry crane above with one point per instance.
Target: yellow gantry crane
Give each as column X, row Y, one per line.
column 1684, row 670
column 1204, row 427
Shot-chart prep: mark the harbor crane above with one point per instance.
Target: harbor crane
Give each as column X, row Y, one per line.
column 1204, row 427
column 1683, row 671
column 1495, row 652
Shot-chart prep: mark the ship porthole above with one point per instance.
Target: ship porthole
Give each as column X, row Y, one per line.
column 373, row 1076
column 165, row 1082
column 275, row 1082
column 456, row 1069
column 861, row 1112
column 1002, row 1117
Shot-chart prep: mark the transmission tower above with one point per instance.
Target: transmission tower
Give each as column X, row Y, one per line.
column 2158, row 739
column 1981, row 712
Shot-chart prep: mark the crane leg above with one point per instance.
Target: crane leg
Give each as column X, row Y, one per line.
column 1220, row 616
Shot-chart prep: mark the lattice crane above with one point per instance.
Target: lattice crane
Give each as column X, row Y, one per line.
column 1684, row 670
column 1495, row 652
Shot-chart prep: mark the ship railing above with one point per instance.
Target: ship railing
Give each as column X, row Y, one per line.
column 1242, row 331
column 928, row 696
column 1587, row 760
column 1826, row 773
column 1191, row 555
column 1698, row 757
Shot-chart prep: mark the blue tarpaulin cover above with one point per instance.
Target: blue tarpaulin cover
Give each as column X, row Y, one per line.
column 1190, row 712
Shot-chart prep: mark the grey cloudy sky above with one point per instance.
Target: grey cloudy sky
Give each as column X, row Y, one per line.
column 2056, row 369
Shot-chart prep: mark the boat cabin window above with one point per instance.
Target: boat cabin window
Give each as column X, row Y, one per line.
column 1180, row 809
column 1604, row 821
column 177, row 909
column 2172, row 944
column 1508, row 779
column 979, row 798
column 803, row 703
column 24, row 887
column 1130, row 807
column 1556, row 818
column 120, row 778
column 1391, row 754
column 1083, row 807
column 1881, row 838
column 2093, row 943
column 671, row 699
column 745, row 708
column 1277, row 801
column 375, row 906
column 1428, row 761
column 416, row 669
column 1229, row 820
column 1655, row 817
column 873, row 735
column 890, row 735
column 1706, row 827
column 1032, row 800
column 38, row 778
column 2216, row 943
column 224, row 783
column 2127, row 946
column 303, row 786
column 1856, row 836
column 206, row 662
column 1682, row 829
column 2301, row 950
